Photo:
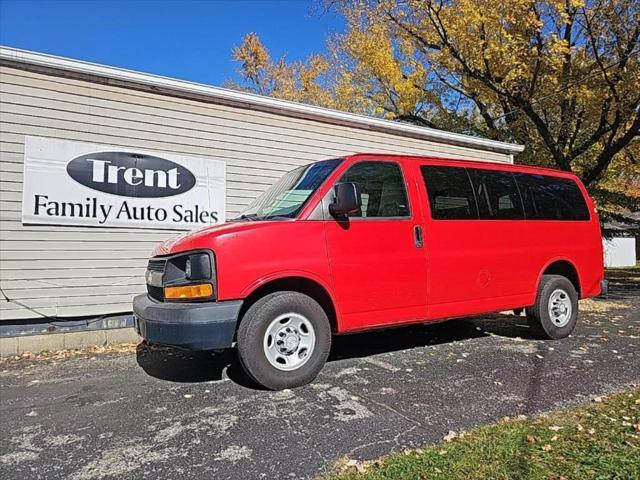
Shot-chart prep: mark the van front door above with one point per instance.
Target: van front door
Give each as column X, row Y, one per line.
column 377, row 264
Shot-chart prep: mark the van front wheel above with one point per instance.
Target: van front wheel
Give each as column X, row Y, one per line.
column 284, row 340
column 555, row 312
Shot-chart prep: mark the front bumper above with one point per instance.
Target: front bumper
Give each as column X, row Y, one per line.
column 194, row 326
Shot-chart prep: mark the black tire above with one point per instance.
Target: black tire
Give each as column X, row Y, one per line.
column 538, row 316
column 251, row 335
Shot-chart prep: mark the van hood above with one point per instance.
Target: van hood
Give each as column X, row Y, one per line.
column 208, row 237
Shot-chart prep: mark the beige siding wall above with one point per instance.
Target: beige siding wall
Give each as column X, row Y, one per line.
column 73, row 271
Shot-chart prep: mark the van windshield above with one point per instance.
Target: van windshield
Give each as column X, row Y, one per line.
column 288, row 195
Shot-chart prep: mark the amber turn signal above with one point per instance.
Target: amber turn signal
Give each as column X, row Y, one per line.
column 202, row 290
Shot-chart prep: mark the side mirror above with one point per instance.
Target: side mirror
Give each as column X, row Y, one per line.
column 347, row 199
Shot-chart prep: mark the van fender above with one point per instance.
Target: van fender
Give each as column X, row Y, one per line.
column 283, row 274
column 551, row 262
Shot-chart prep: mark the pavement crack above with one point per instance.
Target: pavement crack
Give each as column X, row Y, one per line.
column 388, row 407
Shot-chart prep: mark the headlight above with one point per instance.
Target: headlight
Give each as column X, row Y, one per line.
column 187, row 268
column 189, row 276
column 197, row 266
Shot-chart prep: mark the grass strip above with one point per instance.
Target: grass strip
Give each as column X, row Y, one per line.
column 598, row 441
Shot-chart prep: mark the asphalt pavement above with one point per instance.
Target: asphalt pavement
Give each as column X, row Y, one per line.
column 157, row 413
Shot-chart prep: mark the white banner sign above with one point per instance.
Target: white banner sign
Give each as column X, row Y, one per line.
column 73, row 183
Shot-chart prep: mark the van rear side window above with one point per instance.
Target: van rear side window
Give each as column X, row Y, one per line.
column 497, row 194
column 551, row 198
column 450, row 193
column 457, row 193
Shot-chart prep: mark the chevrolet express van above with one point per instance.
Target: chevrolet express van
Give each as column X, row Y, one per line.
column 374, row 241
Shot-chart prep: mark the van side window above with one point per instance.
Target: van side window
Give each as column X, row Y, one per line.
column 450, row 193
column 551, row 198
column 382, row 189
column 497, row 195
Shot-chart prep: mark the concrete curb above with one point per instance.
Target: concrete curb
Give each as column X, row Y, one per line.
column 10, row 346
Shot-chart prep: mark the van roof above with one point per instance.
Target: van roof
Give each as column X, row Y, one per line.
column 465, row 163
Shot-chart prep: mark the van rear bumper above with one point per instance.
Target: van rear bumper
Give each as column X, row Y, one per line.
column 194, row 326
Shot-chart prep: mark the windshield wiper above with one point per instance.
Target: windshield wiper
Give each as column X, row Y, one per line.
column 249, row 217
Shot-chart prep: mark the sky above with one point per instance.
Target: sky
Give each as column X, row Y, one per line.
column 190, row 40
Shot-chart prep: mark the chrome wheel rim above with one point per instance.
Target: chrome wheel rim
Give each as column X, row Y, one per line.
column 289, row 341
column 560, row 308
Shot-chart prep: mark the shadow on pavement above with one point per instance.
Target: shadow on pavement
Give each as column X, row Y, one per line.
column 182, row 366
column 191, row 367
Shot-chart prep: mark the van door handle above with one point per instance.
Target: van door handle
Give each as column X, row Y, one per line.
column 417, row 236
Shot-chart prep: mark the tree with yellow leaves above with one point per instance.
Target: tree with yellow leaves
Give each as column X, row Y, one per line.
column 298, row 81
column 560, row 76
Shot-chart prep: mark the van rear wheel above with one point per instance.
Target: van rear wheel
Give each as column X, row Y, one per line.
column 555, row 313
column 284, row 340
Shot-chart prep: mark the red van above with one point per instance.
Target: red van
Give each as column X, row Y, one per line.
column 373, row 241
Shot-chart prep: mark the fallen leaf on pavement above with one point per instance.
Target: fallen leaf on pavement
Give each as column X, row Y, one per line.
column 450, row 436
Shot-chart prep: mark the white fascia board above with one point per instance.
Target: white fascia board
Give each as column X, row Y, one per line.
column 248, row 100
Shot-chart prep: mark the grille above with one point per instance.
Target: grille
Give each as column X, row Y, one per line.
column 155, row 293
column 156, row 265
